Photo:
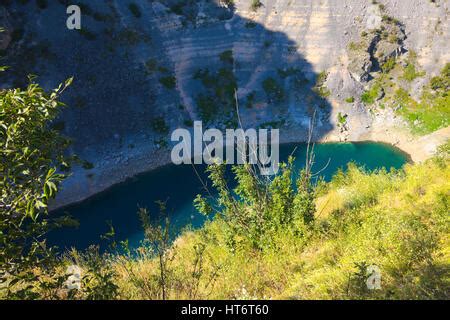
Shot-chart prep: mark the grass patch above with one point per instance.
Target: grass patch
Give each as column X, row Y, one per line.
column 432, row 112
column 370, row 96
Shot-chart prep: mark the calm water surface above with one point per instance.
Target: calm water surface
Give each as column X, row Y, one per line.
column 178, row 185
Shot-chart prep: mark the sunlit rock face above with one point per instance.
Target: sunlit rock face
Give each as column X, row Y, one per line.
column 143, row 70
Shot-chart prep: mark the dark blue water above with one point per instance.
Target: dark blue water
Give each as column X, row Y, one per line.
column 178, row 185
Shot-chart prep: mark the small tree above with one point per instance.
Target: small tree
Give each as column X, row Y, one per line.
column 157, row 237
column 259, row 207
column 31, row 154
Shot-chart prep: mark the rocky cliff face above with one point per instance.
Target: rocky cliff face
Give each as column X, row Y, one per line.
column 143, row 68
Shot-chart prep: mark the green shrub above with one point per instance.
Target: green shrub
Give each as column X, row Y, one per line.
column 369, row 97
column 151, row 65
column 33, row 157
column 388, row 65
column 159, row 125
column 442, row 82
column 87, row 165
column 250, row 219
column 169, row 82
column 319, row 88
column 255, row 5
column 350, row 100
column 188, row 123
column 218, row 99
column 273, row 90
column 356, row 46
column 342, row 119
column 410, row 73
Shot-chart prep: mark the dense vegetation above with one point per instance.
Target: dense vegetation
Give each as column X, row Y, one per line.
column 289, row 237
column 267, row 245
column 32, row 154
column 425, row 114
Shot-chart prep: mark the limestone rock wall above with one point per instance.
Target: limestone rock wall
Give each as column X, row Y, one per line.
column 168, row 63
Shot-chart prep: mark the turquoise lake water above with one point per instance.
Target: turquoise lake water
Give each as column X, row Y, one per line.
column 178, row 185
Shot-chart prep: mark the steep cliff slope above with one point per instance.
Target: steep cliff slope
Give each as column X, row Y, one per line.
column 144, row 68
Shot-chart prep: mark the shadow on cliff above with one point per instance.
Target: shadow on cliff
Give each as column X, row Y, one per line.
column 123, row 68
column 123, row 86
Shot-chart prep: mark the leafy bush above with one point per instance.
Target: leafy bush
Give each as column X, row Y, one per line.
column 251, row 218
column 32, row 153
column 342, row 119
column 159, row 125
